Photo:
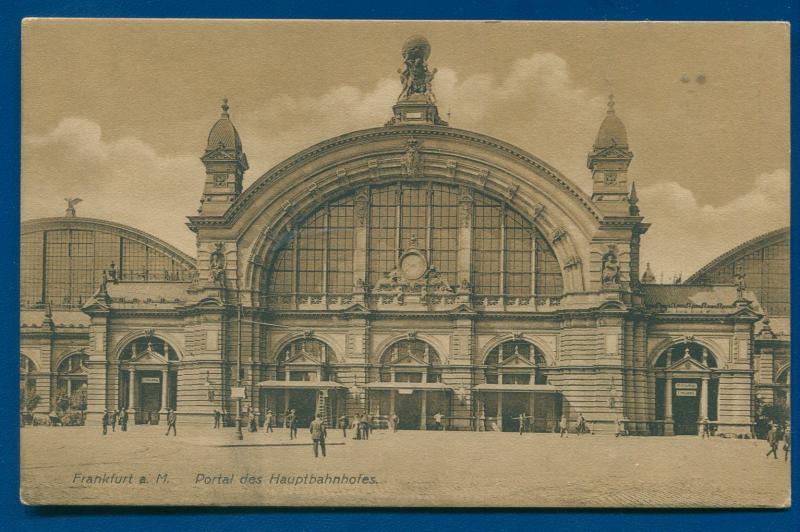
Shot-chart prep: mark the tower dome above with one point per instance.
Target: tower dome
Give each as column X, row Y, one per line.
column 612, row 131
column 223, row 134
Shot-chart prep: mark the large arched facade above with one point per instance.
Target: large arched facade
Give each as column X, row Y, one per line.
column 413, row 269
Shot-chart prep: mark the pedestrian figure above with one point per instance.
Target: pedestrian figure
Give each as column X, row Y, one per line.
column 368, row 424
column 365, row 426
column 318, row 434
column 286, row 418
column 437, row 419
column 521, row 420
column 252, row 421
column 105, row 422
column 787, row 444
column 564, row 427
column 581, row 424
column 172, row 419
column 114, row 415
column 621, row 431
column 357, row 426
column 706, row 428
column 123, row 420
column 292, row 424
column 772, row 440
column 268, row 421
column 343, row 425
column 394, row 420
column 217, row 417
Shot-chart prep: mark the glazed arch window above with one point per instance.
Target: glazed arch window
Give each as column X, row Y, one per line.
column 141, row 344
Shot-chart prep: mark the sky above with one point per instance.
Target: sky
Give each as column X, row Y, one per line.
column 118, row 112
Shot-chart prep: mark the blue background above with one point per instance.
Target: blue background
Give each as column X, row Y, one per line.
column 19, row 517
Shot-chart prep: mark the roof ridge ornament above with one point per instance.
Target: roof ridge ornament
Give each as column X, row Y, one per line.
column 611, row 104
column 416, row 103
column 225, row 108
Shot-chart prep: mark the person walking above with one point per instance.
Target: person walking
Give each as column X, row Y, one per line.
column 123, row 420
column 521, row 420
column 172, row 419
column 787, row 443
column 706, row 429
column 343, row 425
column 357, row 426
column 772, row 440
column 564, row 426
column 251, row 421
column 395, row 421
column 105, row 422
column 217, row 416
column 292, row 424
column 581, row 424
column 114, row 416
column 365, row 426
column 318, row 435
column 438, row 419
column 268, row 421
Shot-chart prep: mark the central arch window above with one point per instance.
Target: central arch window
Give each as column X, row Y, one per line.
column 410, row 360
column 508, row 255
column 305, row 359
column 501, row 367
column 154, row 343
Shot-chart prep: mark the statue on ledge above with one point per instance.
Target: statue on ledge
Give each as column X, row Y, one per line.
column 414, row 74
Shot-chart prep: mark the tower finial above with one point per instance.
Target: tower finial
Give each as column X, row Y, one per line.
column 225, row 108
column 611, row 104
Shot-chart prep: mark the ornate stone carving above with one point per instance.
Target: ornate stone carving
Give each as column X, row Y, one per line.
column 511, row 192
column 572, row 262
column 451, row 167
column 361, row 208
column 558, row 234
column 537, row 211
column 609, row 274
column 414, row 74
column 465, row 209
column 373, row 168
column 740, row 284
column 216, row 264
column 413, row 275
column 412, row 160
column 484, row 177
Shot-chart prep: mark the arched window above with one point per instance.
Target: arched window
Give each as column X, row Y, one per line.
column 694, row 350
column 509, row 256
column 515, row 362
column 410, row 360
column 305, row 359
column 27, row 384
column 72, row 378
column 157, row 345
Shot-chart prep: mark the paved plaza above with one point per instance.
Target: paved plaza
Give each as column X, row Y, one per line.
column 203, row 466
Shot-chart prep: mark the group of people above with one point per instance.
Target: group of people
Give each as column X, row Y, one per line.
column 775, row 436
column 110, row 419
column 581, row 427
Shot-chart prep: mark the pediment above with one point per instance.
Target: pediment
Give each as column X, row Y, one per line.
column 612, row 152
column 219, row 153
column 148, row 356
column 518, row 361
column 687, row 364
column 410, row 360
column 304, row 358
column 356, row 308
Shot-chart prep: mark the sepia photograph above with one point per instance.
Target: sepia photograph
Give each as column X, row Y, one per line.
column 405, row 264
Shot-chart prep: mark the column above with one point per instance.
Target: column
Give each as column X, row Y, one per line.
column 500, row 411
column 531, row 405
column 423, row 421
column 704, row 398
column 286, row 399
column 164, row 397
column 131, row 388
column 668, row 407
column 392, row 402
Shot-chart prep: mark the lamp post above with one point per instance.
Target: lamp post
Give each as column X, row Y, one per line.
column 239, row 435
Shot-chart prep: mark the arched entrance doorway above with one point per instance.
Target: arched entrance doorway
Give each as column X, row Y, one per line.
column 516, row 385
column 305, row 381
column 687, row 387
column 410, row 386
column 148, row 377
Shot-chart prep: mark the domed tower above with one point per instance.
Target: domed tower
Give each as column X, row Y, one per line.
column 225, row 163
column 609, row 161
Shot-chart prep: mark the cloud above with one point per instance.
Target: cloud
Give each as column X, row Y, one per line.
column 686, row 234
column 536, row 105
column 125, row 180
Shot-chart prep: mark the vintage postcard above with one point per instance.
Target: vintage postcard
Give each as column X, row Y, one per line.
column 316, row 263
